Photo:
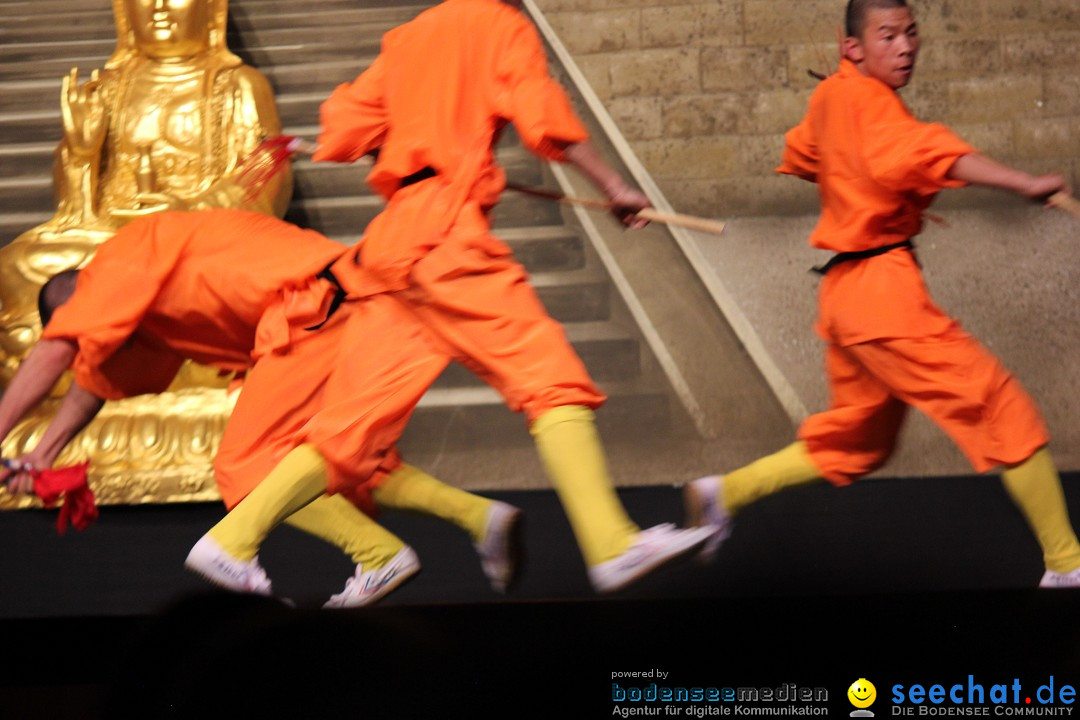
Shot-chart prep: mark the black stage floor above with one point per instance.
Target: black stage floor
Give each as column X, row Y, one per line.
column 903, row 582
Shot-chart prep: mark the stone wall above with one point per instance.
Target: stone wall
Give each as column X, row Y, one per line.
column 705, row 90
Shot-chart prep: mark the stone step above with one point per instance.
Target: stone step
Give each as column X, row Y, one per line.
column 349, row 214
column 25, row 95
column 508, row 139
column 52, row 68
column 26, row 159
column 477, row 417
column 306, row 77
column 65, row 8
column 27, row 194
column 13, row 52
column 14, row 224
column 302, row 85
column 313, row 180
column 539, row 248
column 243, row 19
column 257, row 48
column 26, row 169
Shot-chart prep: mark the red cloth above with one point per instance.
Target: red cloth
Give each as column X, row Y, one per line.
column 79, row 507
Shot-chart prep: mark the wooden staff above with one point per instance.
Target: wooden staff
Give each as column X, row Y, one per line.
column 1065, row 202
column 273, row 153
column 691, row 222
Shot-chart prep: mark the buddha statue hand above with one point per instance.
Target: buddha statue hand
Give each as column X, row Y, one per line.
column 83, row 112
column 148, row 203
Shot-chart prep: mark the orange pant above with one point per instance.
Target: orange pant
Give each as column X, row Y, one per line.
column 350, row 387
column 319, row 380
column 950, row 377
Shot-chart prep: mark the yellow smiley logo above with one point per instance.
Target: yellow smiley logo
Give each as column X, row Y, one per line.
column 862, row 693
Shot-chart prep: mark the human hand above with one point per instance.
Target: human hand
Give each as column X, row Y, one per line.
column 17, row 475
column 83, row 112
column 1041, row 187
column 626, row 203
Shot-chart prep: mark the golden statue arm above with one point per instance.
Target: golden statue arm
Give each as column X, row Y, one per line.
column 78, row 157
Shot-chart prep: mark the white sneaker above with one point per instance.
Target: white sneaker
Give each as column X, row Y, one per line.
column 364, row 588
column 500, row 550
column 209, row 559
column 704, row 509
column 1051, row 579
column 651, row 549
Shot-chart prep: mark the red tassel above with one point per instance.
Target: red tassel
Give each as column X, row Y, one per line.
column 263, row 163
column 79, row 507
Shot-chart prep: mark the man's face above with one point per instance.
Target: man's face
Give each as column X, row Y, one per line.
column 888, row 46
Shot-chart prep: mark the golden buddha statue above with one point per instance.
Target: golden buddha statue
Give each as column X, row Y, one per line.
column 161, row 126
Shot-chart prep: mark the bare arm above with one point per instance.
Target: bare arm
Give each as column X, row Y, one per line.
column 980, row 170
column 77, row 409
column 625, row 201
column 35, row 377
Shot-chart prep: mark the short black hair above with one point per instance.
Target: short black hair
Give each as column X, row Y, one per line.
column 855, row 17
column 55, row 292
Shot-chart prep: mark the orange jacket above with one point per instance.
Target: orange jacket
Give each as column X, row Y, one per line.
column 441, row 90
column 876, row 166
column 877, row 170
column 181, row 285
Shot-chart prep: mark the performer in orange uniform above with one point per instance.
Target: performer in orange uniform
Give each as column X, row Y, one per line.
column 433, row 104
column 212, row 286
column 889, row 346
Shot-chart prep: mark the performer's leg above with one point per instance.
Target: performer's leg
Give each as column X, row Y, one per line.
column 965, row 390
column 279, row 396
column 787, row 468
column 491, row 320
column 849, row 440
column 570, row 449
column 337, row 521
column 1036, row 488
column 297, row 480
column 412, row 489
column 493, row 526
column 228, row 554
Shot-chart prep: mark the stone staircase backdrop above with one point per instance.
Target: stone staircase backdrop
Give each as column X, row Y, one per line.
column 461, row 430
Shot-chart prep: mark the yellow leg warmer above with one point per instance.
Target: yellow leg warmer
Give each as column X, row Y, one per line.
column 1036, row 488
column 787, row 468
column 298, row 479
column 570, row 449
column 409, row 488
column 337, row 521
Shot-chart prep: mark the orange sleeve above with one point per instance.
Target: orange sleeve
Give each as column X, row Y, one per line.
column 354, row 118
column 902, row 153
column 136, row 368
column 800, row 152
column 530, row 98
column 112, row 295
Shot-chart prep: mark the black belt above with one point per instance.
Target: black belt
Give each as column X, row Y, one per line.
column 861, row 255
column 335, row 302
column 421, row 174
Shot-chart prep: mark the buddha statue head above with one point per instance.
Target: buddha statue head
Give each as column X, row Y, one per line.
column 170, row 30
